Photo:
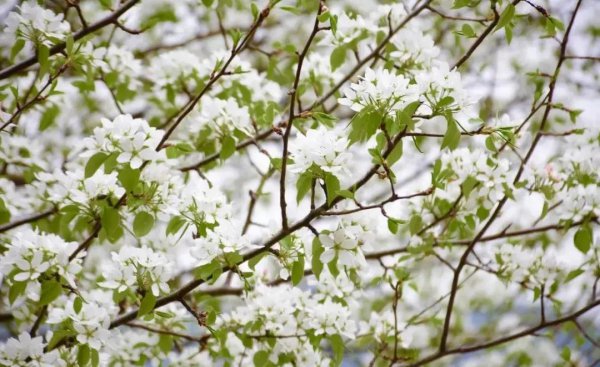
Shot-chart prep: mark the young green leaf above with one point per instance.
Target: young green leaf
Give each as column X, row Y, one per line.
column 142, row 224
column 452, row 136
column 583, row 238
column 94, row 163
column 317, row 250
column 227, row 147
column 147, row 304
column 297, row 270
column 51, row 289
column 338, row 56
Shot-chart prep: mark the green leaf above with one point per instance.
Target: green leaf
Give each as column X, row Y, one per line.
column 77, row 304
column 51, row 290
column 255, row 10
column 16, row 289
column 406, row 121
column 337, row 57
column 583, row 238
column 332, row 185
column 468, row 185
column 111, row 223
column 111, row 163
column 415, row 224
column 43, row 54
column 317, row 250
column 165, row 343
column 452, row 136
column 17, row 47
column 83, row 355
column 128, row 177
column 147, row 304
column 467, row 31
column 337, row 345
column 392, row 226
column 142, row 224
column 324, row 118
column 364, row 124
column 261, row 358
column 505, row 17
column 69, row 43
column 297, row 270
column 346, row 194
column 256, row 259
column 303, row 185
column 324, row 17
column 573, row 274
column 227, row 147
column 94, row 163
column 57, row 336
column 48, row 117
column 395, row 154
column 207, row 270
column 4, row 212
column 233, row 258
column 175, row 225
column 95, row 358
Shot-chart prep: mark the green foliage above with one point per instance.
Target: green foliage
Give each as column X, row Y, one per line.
column 364, row 124
column 94, row 163
column 147, row 304
column 317, row 250
column 583, row 238
column 51, row 290
column 452, row 136
column 143, row 223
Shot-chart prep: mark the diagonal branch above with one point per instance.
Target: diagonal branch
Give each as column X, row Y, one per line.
column 110, row 19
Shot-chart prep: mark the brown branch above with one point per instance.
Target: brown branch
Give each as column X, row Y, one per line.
column 371, row 56
column 481, row 37
column 381, row 204
column 450, row 17
column 25, row 220
column 304, row 222
column 38, row 321
column 463, row 259
column 201, row 339
column 213, row 79
column 110, row 19
column 86, row 243
column 254, row 195
column 290, row 123
column 506, row 339
column 38, row 97
column 213, row 157
column 592, row 58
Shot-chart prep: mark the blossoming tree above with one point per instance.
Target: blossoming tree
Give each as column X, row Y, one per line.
column 299, row 183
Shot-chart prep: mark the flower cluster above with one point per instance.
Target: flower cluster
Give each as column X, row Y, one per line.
column 274, row 185
column 532, row 266
column 35, row 25
column 287, row 311
column 137, row 267
column 221, row 116
column 175, row 66
column 90, row 323
column 31, row 256
column 16, row 351
column 344, row 247
column 72, row 188
column 325, row 149
column 131, row 139
column 382, row 89
column 475, row 172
